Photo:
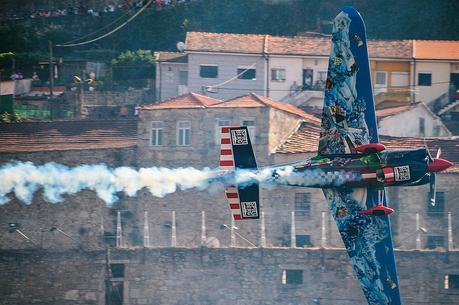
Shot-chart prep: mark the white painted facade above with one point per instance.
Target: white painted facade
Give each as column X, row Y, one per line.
column 412, row 123
column 294, row 66
column 168, row 79
column 440, row 72
column 226, row 85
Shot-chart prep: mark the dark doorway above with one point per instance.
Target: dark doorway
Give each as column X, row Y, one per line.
column 454, row 79
column 115, row 294
column 308, row 79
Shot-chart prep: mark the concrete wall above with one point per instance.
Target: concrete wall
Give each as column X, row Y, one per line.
column 167, row 75
column 211, row 277
column 406, row 124
column 227, row 69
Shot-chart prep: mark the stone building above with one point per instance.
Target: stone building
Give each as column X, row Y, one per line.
column 149, row 250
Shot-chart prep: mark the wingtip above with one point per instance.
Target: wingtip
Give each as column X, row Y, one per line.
column 350, row 10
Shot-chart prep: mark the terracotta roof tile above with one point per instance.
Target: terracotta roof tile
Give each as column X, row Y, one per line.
column 387, row 112
column 437, row 49
column 67, row 135
column 188, row 100
column 306, row 138
column 288, row 108
column 289, row 45
column 244, row 101
column 222, row 42
column 172, row 57
column 299, row 45
column 402, row 49
column 194, row 100
column 253, row 100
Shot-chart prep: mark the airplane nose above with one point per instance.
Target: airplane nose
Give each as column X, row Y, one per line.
column 438, row 165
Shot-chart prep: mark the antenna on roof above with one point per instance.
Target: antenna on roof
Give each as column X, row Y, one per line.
column 180, row 46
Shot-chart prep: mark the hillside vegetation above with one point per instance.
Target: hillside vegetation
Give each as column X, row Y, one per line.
column 161, row 29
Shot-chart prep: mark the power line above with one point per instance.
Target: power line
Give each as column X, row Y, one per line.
column 289, row 90
column 231, row 79
column 109, row 33
column 99, row 30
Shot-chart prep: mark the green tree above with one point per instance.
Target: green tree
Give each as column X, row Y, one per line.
column 131, row 65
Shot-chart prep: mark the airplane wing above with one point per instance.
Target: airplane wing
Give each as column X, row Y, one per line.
column 349, row 120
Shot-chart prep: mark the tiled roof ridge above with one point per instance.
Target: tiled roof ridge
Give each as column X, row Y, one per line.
column 163, row 101
column 264, row 36
column 309, row 37
column 282, row 106
column 199, row 98
column 400, row 108
column 242, row 34
column 240, row 96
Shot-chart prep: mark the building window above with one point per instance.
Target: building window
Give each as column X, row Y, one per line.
column 278, row 75
column 292, row 276
column 208, row 71
column 439, row 208
column 183, row 133
column 117, row 270
column 302, row 204
column 452, row 281
column 156, row 134
column 422, row 126
column 435, row 241
column 183, row 78
column 303, row 241
column 399, row 79
column 245, row 73
column 381, row 79
column 424, row 79
column 218, row 129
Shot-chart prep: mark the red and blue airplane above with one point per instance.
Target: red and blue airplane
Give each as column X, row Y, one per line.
column 351, row 167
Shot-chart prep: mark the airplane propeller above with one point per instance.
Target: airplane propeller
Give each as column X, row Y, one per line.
column 431, row 167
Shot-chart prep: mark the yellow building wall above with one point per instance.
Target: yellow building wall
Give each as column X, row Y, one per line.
column 398, row 94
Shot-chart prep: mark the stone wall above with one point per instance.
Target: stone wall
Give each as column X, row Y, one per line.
column 88, row 220
column 81, row 220
column 114, row 98
column 111, row 156
column 202, row 276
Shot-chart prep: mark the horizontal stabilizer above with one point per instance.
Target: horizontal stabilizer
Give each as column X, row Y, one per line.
column 236, row 153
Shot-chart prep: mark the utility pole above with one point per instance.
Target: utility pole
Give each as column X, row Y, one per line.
column 51, row 69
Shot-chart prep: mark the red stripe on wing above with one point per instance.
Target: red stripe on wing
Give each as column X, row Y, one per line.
column 235, row 206
column 226, row 163
column 232, row 195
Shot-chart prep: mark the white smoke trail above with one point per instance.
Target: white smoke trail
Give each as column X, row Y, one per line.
column 56, row 180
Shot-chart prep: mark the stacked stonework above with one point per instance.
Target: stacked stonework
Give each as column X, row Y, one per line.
column 165, row 251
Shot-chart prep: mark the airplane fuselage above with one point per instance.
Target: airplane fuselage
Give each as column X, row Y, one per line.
column 377, row 170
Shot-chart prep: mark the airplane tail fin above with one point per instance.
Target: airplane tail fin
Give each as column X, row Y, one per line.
column 237, row 153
